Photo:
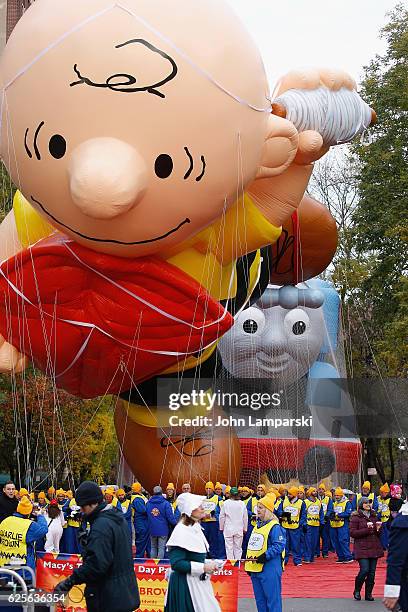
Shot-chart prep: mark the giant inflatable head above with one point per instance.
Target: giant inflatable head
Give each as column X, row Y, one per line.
column 129, row 125
column 278, row 338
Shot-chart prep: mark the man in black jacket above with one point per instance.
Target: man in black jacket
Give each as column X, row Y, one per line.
column 8, row 501
column 396, row 584
column 107, row 569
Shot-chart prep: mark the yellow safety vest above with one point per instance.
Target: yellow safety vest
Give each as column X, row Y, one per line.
column 325, row 502
column 209, row 505
column 73, row 522
column 258, row 544
column 313, row 512
column 173, row 504
column 370, row 496
column 254, row 503
column 138, row 495
column 125, row 504
column 13, row 531
column 294, row 508
column 341, row 507
column 384, row 508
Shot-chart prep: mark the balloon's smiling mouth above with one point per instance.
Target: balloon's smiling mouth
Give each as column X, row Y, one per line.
column 110, row 240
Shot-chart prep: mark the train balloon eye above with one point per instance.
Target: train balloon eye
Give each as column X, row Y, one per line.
column 57, row 146
column 299, row 328
column 250, row 326
column 163, row 166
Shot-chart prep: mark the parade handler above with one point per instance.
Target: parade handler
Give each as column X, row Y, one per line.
column 107, row 569
column 25, row 527
column 396, row 587
column 266, row 548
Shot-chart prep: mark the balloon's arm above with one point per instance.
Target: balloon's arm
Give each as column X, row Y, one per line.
column 11, row 360
column 277, row 192
column 10, row 243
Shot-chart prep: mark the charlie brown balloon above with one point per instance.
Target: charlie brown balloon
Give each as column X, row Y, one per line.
column 148, row 161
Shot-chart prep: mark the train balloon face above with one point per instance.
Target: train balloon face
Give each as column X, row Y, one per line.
column 273, row 342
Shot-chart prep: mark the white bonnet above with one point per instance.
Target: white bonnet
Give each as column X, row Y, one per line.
column 188, row 502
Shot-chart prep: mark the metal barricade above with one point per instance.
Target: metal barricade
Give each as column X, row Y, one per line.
column 13, row 574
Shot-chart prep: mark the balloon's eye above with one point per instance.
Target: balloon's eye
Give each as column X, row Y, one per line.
column 163, row 166
column 250, row 326
column 57, row 146
column 299, row 328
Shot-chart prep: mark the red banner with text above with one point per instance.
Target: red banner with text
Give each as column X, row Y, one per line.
column 151, row 578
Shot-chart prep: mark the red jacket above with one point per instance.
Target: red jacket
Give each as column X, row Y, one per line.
column 367, row 544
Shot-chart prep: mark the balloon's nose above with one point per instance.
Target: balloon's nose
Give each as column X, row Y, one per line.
column 107, row 177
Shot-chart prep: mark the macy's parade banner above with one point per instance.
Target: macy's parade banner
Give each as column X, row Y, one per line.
column 151, row 578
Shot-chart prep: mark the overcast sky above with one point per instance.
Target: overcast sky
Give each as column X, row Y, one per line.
column 294, row 33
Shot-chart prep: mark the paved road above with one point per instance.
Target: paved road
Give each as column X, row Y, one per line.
column 318, row 605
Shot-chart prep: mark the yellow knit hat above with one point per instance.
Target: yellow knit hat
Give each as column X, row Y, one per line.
column 301, row 488
column 218, row 485
column 41, row 495
column 60, row 492
column 22, row 492
column 69, row 494
column 170, row 486
column 209, row 485
column 136, row 487
column 245, row 490
column 25, row 506
column 293, row 491
column 385, row 488
column 32, row 496
column 322, row 486
column 227, row 489
column 110, row 491
column 120, row 492
column 312, row 491
column 51, row 490
column 339, row 491
column 268, row 501
column 366, row 485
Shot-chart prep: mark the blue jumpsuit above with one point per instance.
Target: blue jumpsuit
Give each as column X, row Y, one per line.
column 64, row 509
column 341, row 535
column 127, row 514
column 325, row 532
column 294, row 536
column 267, row 584
column 313, row 538
column 385, row 531
column 247, row 535
column 211, row 531
column 71, row 532
column 141, row 525
column 222, row 553
column 397, row 561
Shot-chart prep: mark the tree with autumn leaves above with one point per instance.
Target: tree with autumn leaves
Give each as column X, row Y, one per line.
column 51, row 435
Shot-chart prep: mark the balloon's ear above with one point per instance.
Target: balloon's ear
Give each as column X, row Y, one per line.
column 279, row 151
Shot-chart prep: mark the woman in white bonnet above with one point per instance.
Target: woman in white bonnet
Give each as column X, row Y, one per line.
column 190, row 588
